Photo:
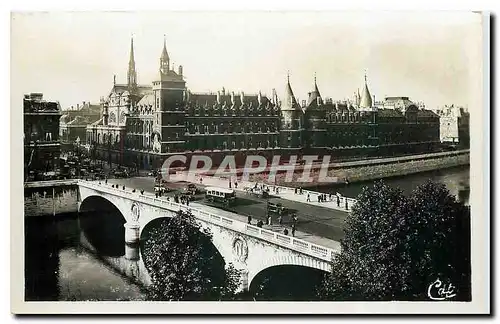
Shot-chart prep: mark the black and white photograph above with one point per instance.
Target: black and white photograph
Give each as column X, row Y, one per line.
column 172, row 160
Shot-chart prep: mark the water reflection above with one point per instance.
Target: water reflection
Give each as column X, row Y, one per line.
column 455, row 179
column 59, row 265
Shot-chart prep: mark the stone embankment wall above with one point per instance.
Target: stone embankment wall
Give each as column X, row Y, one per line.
column 44, row 198
column 374, row 171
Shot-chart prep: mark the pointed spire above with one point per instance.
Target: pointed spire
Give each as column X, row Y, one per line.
column 314, row 95
column 316, row 86
column 131, row 73
column 290, row 103
column 131, row 60
column 164, row 59
column 366, row 98
column 164, row 53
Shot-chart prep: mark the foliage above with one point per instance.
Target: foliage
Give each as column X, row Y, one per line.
column 396, row 246
column 185, row 265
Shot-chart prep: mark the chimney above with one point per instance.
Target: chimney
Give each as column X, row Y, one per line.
column 83, row 105
column 180, row 70
column 303, row 103
column 77, row 106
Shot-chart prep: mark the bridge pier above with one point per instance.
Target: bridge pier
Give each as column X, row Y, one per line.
column 132, row 251
column 244, row 281
column 131, row 233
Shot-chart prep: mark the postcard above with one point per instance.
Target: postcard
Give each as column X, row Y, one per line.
column 250, row 162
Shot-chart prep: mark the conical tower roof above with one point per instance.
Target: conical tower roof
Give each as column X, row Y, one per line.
column 314, row 95
column 366, row 97
column 289, row 102
column 164, row 53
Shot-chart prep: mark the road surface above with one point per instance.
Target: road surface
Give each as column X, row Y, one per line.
column 315, row 220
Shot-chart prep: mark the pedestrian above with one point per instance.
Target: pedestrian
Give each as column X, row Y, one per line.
column 133, row 190
column 277, row 190
column 156, row 194
column 308, row 197
column 249, row 219
column 269, row 220
column 229, row 184
column 280, row 220
column 285, row 231
column 260, row 223
column 338, row 201
column 201, row 180
column 142, row 192
column 319, row 198
column 330, row 196
column 106, row 180
column 346, row 204
column 300, row 190
column 235, row 185
column 295, row 190
column 293, row 230
column 187, row 202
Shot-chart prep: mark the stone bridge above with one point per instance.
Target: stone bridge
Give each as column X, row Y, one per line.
column 249, row 248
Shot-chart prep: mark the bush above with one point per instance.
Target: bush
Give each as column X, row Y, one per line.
column 396, row 246
column 184, row 264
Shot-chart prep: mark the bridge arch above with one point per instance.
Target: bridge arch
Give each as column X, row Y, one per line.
column 290, row 277
column 102, row 225
column 291, row 260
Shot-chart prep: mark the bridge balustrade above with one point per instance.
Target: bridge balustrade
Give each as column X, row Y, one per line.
column 281, row 240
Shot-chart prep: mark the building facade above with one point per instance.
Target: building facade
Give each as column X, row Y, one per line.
column 143, row 125
column 42, row 147
column 454, row 124
column 73, row 123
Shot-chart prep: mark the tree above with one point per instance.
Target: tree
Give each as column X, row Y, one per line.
column 185, row 265
column 396, row 246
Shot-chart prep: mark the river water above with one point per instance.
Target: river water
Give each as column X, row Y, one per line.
column 58, row 268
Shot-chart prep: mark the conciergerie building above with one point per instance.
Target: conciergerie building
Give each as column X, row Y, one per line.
column 142, row 125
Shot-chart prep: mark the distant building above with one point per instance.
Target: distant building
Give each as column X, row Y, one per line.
column 143, row 125
column 73, row 123
column 454, row 127
column 42, row 147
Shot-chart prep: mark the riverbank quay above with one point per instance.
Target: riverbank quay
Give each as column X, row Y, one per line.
column 53, row 197
column 318, row 174
column 373, row 169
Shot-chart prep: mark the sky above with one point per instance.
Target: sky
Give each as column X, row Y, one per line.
column 430, row 57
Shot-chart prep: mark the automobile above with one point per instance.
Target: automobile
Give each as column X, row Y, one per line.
column 276, row 208
column 261, row 193
column 120, row 174
column 191, row 188
column 99, row 176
